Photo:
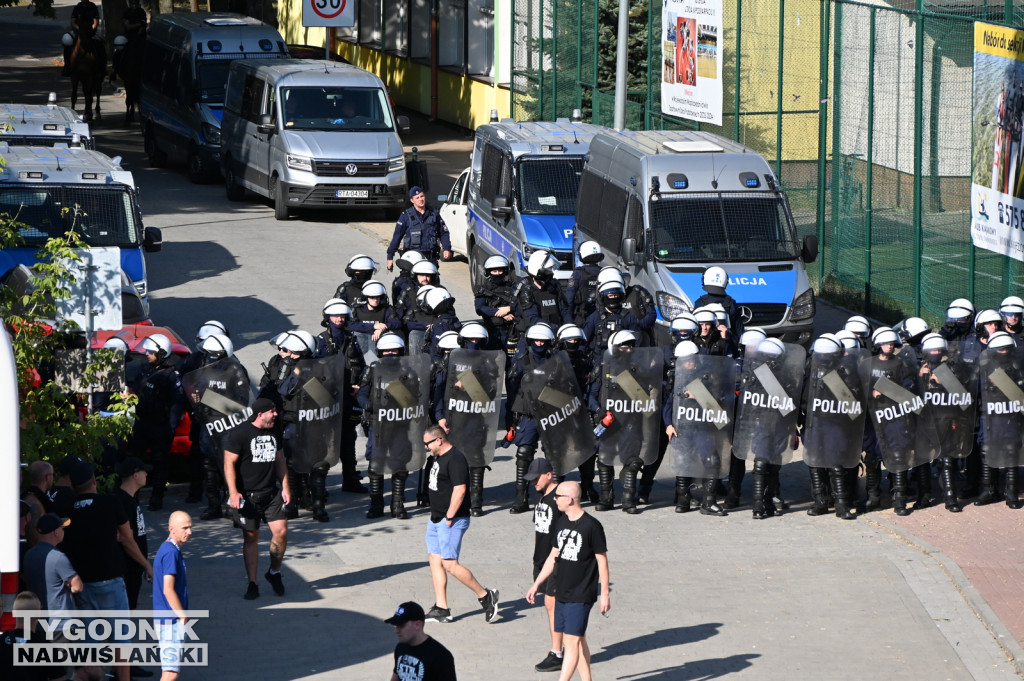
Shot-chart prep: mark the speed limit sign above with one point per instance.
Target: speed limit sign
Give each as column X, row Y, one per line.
column 340, row 13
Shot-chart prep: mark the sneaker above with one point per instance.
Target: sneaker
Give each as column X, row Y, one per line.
column 551, row 663
column 275, row 582
column 253, row 592
column 436, row 614
column 489, row 603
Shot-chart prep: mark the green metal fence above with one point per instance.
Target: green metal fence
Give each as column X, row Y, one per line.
column 865, row 111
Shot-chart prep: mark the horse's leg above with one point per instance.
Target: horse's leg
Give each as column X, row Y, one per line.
column 74, row 91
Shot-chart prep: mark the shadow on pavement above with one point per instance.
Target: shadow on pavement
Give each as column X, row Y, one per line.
column 656, row 640
column 250, row 319
column 698, row 670
column 366, row 576
column 206, row 259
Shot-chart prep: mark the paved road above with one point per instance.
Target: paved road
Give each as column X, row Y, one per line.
column 693, row 597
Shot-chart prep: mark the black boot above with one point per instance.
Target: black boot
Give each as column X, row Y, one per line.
column 524, row 457
column 988, row 494
column 923, row 478
column 351, row 483
column 606, row 476
column 398, row 495
column 422, row 495
column 683, row 494
column 628, row 475
column 587, row 480
column 899, row 493
column 873, row 486
column 819, row 503
column 376, row 496
column 737, row 469
column 709, row 504
column 1012, row 500
column 841, row 490
column 476, row 491
column 211, row 487
column 318, row 491
column 761, row 510
column 773, row 495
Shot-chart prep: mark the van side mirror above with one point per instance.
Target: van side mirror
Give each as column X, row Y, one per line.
column 153, row 240
column 628, row 251
column 810, row 248
column 500, row 207
column 403, row 125
column 266, row 124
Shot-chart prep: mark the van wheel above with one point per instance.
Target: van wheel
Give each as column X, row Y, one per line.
column 281, row 211
column 197, row 169
column 476, row 263
column 157, row 157
column 235, row 191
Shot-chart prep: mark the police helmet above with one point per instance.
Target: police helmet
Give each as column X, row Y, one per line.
column 685, row 325
column 590, row 253
column 610, row 274
column 157, row 344
column 496, row 262
column 421, row 296
column 858, row 326
column 391, row 341
column 424, row 267
column 120, row 41
column 1011, row 305
column 571, row 332
column 449, row 340
column 827, row 344
column 715, row 280
column 210, row 327
column 540, row 332
column 933, row 342
column 117, row 343
column 408, row 259
column 542, row 264
column 336, row 307
column 473, row 331
column 685, row 349
column 986, row 317
column 622, row 338
column 610, row 288
column 300, row 342
column 884, row 335
column 374, row 289
column 278, row 339
column 721, row 316
column 1001, row 339
column 439, row 300
column 771, row 346
column 67, row 40
column 848, row 339
column 705, row 316
column 960, row 309
column 217, row 346
column 752, row 337
column 913, row 329
column 360, row 263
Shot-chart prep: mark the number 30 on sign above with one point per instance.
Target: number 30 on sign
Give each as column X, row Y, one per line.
column 338, row 13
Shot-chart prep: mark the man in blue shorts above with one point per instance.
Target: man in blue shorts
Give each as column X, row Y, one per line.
column 449, row 520
column 170, row 593
column 578, row 545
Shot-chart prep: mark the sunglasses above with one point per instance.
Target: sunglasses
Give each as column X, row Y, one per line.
column 562, row 496
column 430, row 442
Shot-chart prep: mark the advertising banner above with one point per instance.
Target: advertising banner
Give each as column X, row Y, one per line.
column 691, row 48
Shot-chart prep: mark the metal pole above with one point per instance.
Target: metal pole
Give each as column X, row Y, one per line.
column 736, row 94
column 824, row 44
column 870, row 161
column 918, row 150
column 837, row 109
column 620, row 66
column 778, row 85
column 554, row 60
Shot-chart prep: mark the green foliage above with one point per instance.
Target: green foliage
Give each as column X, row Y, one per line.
column 607, row 40
column 54, row 422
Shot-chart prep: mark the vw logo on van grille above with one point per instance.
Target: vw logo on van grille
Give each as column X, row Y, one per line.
column 351, row 169
column 746, row 314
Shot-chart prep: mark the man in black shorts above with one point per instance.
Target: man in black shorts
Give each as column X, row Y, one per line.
column 449, row 520
column 418, row 657
column 252, row 454
column 579, row 546
column 545, row 514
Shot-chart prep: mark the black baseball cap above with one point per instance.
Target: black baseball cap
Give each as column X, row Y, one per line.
column 538, row 467
column 67, row 464
column 414, row 190
column 82, row 473
column 261, row 405
column 50, row 522
column 132, row 465
column 406, row 612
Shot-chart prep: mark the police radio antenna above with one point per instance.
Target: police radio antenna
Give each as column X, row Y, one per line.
column 714, row 175
column 23, row 113
column 575, row 139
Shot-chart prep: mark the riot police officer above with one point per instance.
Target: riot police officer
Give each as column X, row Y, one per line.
column 196, row 359
column 1002, row 425
column 405, row 277
column 573, row 341
column 609, row 317
column 986, row 323
column 539, row 298
column 714, row 283
column 495, row 302
column 373, row 319
column 861, row 329
column 415, row 318
column 295, row 346
column 581, row 293
column 636, row 300
column 709, row 338
column 737, row 466
column 440, row 305
column 359, row 270
column 1012, row 310
column 420, row 228
column 959, row 320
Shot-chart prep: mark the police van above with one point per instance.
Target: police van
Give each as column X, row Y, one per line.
column 43, row 125
column 666, row 205
column 312, row 134
column 522, row 191
column 184, row 76
column 52, row 190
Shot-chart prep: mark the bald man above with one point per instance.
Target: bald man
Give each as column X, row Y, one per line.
column 170, row 592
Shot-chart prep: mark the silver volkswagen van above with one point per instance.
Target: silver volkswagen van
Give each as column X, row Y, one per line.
column 312, row 134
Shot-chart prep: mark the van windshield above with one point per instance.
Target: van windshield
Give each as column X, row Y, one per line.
column 721, row 228
column 548, row 186
column 213, row 79
column 103, row 216
column 336, row 108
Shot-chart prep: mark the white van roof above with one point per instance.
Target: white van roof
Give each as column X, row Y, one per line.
column 311, row 72
column 41, row 125
column 542, row 138
column 61, row 164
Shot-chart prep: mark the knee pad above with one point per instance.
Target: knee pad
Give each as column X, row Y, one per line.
column 525, row 454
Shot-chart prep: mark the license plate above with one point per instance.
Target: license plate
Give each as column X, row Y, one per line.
column 351, row 193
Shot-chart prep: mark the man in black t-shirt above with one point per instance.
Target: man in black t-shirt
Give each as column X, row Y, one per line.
column 545, row 515
column 449, row 520
column 578, row 545
column 133, row 473
column 253, row 465
column 417, row 656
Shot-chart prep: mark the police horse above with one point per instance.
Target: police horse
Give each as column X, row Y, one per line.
column 88, row 65
column 128, row 65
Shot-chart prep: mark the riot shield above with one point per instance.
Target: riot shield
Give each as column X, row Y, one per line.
column 834, row 422
column 950, row 393
column 893, row 406
column 631, row 383
column 472, row 399
column 399, row 401
column 219, row 395
column 319, row 407
column 703, row 407
column 767, row 407
column 551, row 394
column 414, row 344
column 367, row 346
column 1002, row 408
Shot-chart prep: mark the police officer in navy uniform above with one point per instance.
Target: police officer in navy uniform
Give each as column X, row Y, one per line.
column 539, row 298
column 495, row 302
column 359, row 270
column 609, row 317
column 714, row 282
column 405, row 278
column 420, row 228
column 581, row 293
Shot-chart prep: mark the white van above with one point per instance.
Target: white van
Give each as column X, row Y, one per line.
column 666, row 205
column 43, row 125
column 312, row 134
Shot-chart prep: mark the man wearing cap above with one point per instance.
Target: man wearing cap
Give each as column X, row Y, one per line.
column 253, row 465
column 62, row 494
column 578, row 545
column 418, row 657
column 545, row 514
column 48, row 572
column 420, row 228
column 133, row 472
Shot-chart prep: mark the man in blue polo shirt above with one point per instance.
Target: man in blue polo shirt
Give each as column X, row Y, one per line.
column 170, row 592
